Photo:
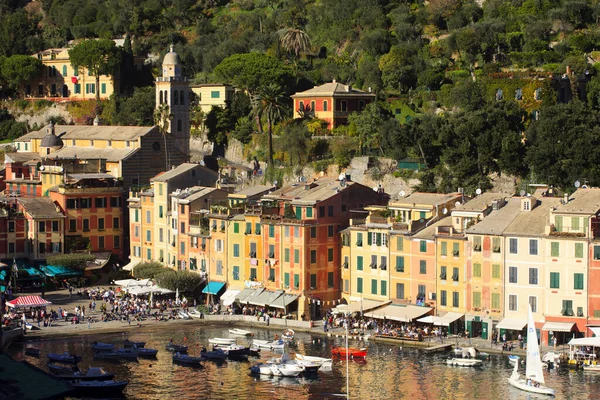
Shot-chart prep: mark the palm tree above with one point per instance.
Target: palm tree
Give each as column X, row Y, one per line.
column 294, row 40
column 269, row 102
column 162, row 118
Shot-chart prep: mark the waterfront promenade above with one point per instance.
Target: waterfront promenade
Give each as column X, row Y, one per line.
column 66, row 328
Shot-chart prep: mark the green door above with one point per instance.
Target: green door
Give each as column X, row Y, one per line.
column 484, row 330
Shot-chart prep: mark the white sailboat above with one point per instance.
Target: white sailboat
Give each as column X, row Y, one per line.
column 534, row 374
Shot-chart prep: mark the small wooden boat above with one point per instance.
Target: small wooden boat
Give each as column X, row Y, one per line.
column 269, row 344
column 62, row 369
column 93, row 373
column 147, row 353
column 32, row 351
column 240, row 332
column 187, row 360
column 224, row 341
column 217, row 354
column 107, row 355
column 234, row 351
column 350, row 351
column 288, row 334
column 326, row 363
column 177, row 348
column 99, row 346
column 64, row 358
column 99, row 388
column 130, row 343
column 128, row 353
column 464, row 362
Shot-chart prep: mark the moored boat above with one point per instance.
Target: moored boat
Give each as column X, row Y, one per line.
column 591, row 367
column 240, row 332
column 534, row 375
column 97, row 388
column 183, row 315
column 107, row 355
column 128, row 353
column 99, row 346
column 262, row 369
column 464, row 362
column 131, row 343
column 287, row 369
column 217, row 354
column 177, row 348
column 326, row 363
column 195, row 314
column 64, row 358
column 288, row 334
column 350, row 351
column 143, row 352
column 224, row 341
column 234, row 351
column 187, row 360
column 32, row 351
column 269, row 344
column 62, row 369
column 93, row 373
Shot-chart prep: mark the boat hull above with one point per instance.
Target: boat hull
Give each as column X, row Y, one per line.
column 98, row 388
column 223, row 341
column 177, row 348
column 130, row 343
column 464, row 362
column 240, row 332
column 64, row 358
column 522, row 384
column 352, row 353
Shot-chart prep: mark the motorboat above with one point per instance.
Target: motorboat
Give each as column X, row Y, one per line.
column 288, row 334
column 234, row 351
column 269, row 344
column 513, row 359
column 534, row 375
column 224, row 341
column 99, row 388
column 177, row 348
column 308, row 367
column 107, row 355
column 128, row 353
column 262, row 369
column 99, row 346
column 131, row 343
column 93, row 373
column 351, row 352
column 240, row 332
column 64, row 358
column 216, row 354
column 62, row 369
column 468, row 359
column 183, row 315
column 551, row 359
column 32, row 351
column 326, row 363
column 287, row 369
column 195, row 314
column 185, row 359
column 143, row 352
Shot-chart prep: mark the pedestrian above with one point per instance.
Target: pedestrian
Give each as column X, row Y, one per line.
column 520, row 341
column 555, row 342
column 325, row 325
column 70, row 291
column 267, row 318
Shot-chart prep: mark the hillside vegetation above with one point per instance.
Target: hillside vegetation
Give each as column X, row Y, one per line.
column 468, row 88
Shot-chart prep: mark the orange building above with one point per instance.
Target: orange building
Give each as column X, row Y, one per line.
column 331, row 102
column 22, row 174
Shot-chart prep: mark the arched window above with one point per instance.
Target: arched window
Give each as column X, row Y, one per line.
column 179, row 125
column 176, row 98
column 313, row 107
column 160, row 101
column 166, row 97
column 181, row 98
column 325, row 105
column 64, row 70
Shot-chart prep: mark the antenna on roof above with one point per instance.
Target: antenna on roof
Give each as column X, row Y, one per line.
column 577, row 183
column 522, row 193
column 478, row 191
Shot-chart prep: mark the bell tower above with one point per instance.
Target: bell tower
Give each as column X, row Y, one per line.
column 172, row 90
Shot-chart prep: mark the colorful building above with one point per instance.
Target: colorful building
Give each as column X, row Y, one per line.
column 209, row 95
column 44, row 227
column 331, row 102
column 22, row 174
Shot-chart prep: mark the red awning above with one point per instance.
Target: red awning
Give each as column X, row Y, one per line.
column 28, row 301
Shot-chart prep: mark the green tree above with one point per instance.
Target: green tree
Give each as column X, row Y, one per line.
column 19, row 69
column 365, row 125
column 219, row 122
column 162, row 119
column 148, row 270
column 295, row 141
column 138, row 109
column 269, row 102
column 97, row 56
column 184, row 281
column 397, row 68
column 294, row 40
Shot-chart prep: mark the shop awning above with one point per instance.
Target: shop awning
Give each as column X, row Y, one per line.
column 213, row 287
column 586, row 341
column 358, row 306
column 131, row 265
column 444, row 320
column 228, row 297
column 512, row 324
column 244, row 294
column 28, row 301
column 400, row 312
column 558, row 326
column 260, row 299
column 283, row 301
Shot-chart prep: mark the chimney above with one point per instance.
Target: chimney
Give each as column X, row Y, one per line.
column 370, row 90
column 348, row 88
column 566, row 199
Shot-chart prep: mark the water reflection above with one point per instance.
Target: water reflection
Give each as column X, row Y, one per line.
column 388, row 372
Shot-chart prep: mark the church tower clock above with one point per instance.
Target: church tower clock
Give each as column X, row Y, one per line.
column 172, row 90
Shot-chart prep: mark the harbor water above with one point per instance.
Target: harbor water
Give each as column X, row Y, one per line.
column 389, row 372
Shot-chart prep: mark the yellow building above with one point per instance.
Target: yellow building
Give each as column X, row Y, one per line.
column 451, row 276
column 209, row 95
column 44, row 234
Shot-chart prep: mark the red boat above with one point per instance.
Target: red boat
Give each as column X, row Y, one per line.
column 352, row 352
